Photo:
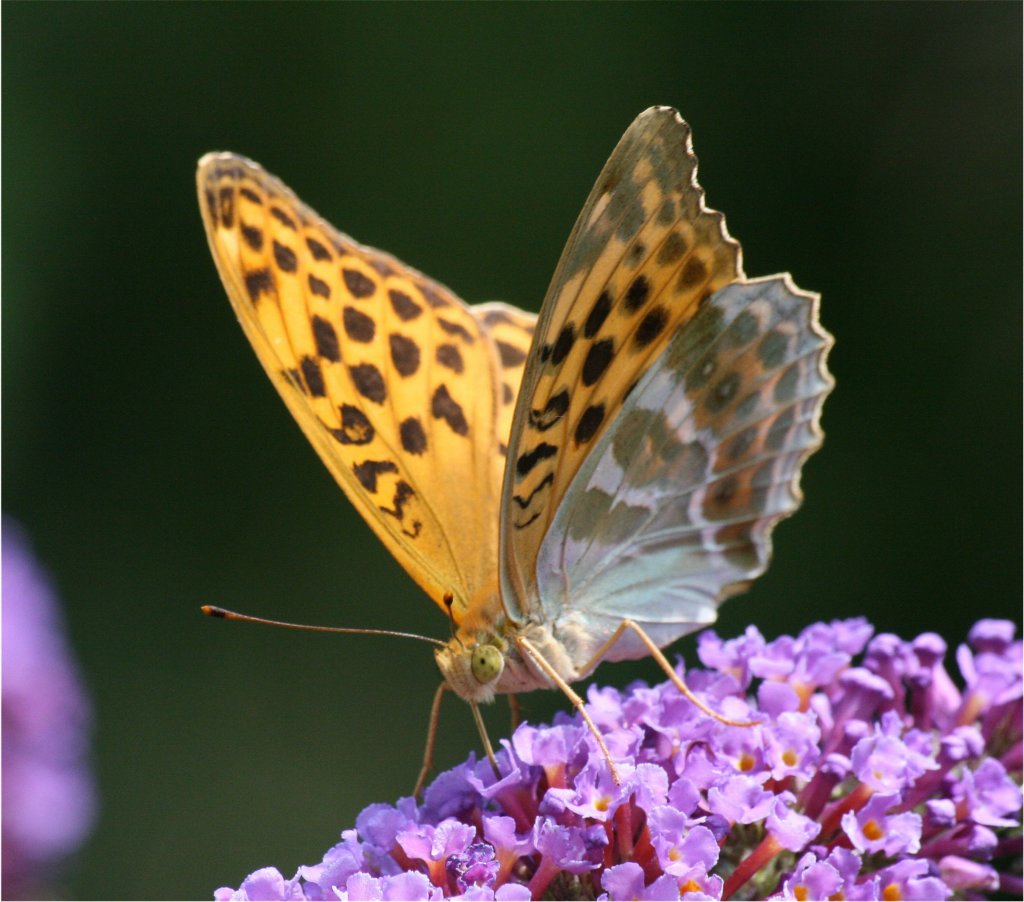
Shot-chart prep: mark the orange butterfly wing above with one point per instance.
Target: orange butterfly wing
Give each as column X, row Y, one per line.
column 405, row 391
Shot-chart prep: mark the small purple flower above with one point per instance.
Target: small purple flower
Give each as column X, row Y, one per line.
column 565, row 848
column 686, row 852
column 792, row 746
column 885, row 762
column 879, row 780
column 477, row 866
column 626, row 881
column 788, row 827
column 962, row 874
column 873, row 829
column 595, row 794
column 49, row 799
column 989, row 795
column 911, row 878
column 265, row 884
column 741, row 799
column 812, row 879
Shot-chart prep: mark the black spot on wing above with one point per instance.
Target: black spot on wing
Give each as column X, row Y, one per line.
column 444, row 407
column 211, row 205
column 369, row 382
column 636, row 254
column 543, row 484
column 318, row 250
column 414, row 439
column 529, row 459
column 227, row 207
column 259, row 282
column 251, row 195
column 326, row 339
column 590, row 421
column 563, row 344
column 283, row 218
column 405, row 354
column 359, row 284
column 651, row 326
column 510, row 354
column 527, row 521
column 598, row 314
column 492, row 317
column 358, row 326
column 285, row 257
column 553, row 411
column 403, row 305
column 637, row 293
column 693, row 273
column 403, row 492
column 449, row 357
column 313, row 377
column 356, row 428
column 672, row 249
column 368, row 471
column 319, row 287
column 252, row 236
column 598, row 358
column 456, row 329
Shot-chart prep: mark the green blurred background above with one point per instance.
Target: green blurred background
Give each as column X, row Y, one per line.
column 872, row 150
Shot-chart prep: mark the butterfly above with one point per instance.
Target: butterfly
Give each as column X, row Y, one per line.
column 584, row 485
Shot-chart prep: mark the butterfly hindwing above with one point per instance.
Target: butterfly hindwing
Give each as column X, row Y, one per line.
column 644, row 253
column 673, row 509
column 398, row 384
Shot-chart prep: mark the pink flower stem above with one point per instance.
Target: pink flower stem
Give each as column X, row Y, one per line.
column 765, row 852
column 853, row 802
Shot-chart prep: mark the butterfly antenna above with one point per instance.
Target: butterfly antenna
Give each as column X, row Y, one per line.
column 213, row 611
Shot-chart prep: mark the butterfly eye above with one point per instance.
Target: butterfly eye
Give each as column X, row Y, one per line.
column 487, row 663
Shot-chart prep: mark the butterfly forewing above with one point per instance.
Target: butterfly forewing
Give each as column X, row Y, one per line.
column 512, row 332
column 673, row 509
column 643, row 255
column 398, row 384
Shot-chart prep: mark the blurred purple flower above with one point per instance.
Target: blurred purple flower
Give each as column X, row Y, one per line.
column 49, row 798
column 882, row 780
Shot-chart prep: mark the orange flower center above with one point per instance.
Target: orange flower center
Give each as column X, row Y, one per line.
column 872, row 831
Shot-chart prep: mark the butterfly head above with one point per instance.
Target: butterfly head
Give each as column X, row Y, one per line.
column 473, row 664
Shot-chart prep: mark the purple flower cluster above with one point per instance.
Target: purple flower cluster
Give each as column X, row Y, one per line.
column 48, row 792
column 877, row 780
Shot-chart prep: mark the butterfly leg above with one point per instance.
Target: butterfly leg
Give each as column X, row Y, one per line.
column 428, row 752
column 516, row 711
column 534, row 655
column 670, row 672
column 485, row 739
